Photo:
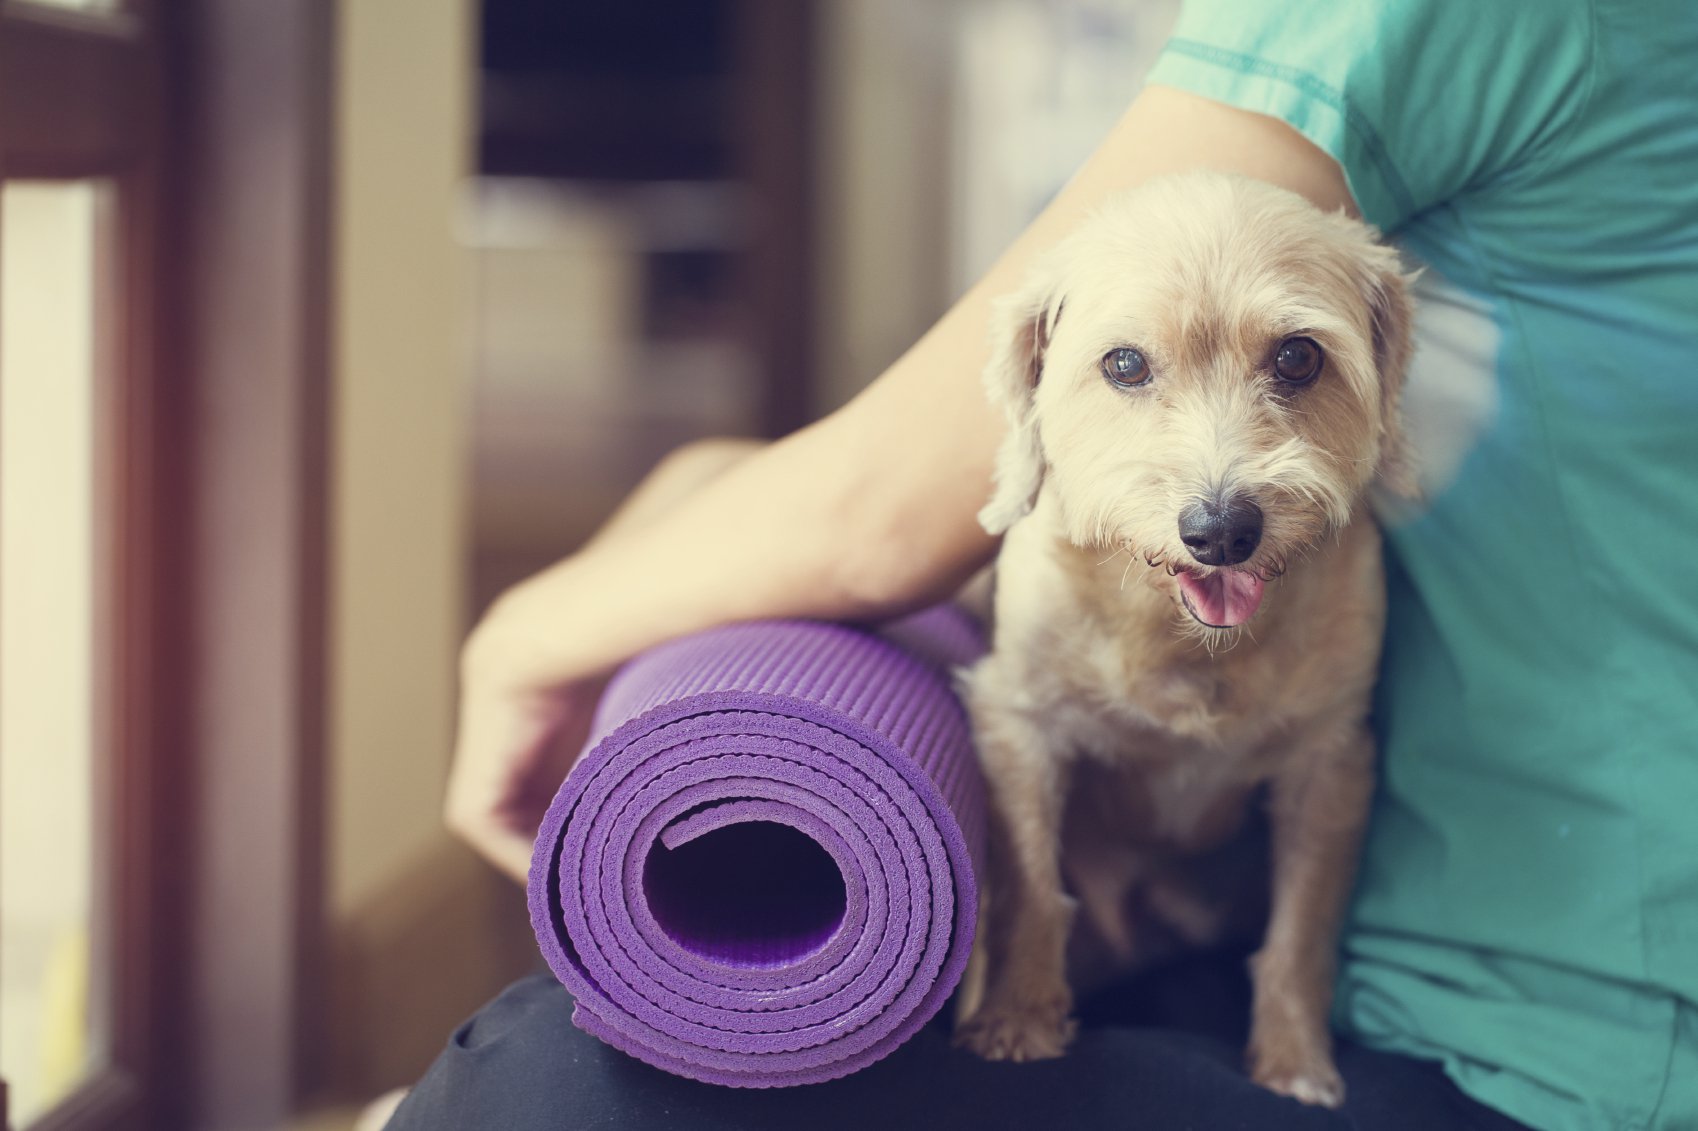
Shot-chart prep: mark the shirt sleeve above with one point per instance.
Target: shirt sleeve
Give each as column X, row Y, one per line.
column 1420, row 101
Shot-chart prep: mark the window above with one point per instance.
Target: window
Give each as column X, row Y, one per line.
column 47, row 637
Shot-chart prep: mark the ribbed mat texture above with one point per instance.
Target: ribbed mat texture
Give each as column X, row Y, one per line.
column 761, row 872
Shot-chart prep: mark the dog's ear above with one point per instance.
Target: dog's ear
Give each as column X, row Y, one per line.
column 1386, row 288
column 1021, row 327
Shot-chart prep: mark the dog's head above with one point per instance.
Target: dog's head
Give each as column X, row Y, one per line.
column 1206, row 374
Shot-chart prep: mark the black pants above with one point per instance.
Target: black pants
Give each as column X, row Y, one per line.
column 1162, row 1054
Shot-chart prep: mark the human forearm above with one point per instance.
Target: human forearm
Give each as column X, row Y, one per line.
column 785, row 531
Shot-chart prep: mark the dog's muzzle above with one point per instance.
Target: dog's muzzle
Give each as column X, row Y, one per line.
column 1221, row 533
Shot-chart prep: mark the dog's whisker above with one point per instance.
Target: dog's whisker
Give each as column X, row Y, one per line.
column 1118, row 550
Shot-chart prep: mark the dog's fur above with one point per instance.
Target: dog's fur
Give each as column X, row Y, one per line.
column 1126, row 742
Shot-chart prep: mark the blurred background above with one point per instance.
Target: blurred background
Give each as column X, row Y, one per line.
column 321, row 322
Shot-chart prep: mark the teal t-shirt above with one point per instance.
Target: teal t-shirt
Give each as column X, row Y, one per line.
column 1527, row 911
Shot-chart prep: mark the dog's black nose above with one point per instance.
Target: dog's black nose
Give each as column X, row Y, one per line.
column 1223, row 532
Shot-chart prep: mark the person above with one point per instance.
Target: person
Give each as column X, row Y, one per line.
column 1523, row 945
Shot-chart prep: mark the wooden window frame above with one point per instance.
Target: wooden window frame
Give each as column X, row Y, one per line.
column 209, row 121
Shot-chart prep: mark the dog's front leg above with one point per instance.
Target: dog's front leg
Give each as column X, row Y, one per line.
column 1025, row 1011
column 1319, row 807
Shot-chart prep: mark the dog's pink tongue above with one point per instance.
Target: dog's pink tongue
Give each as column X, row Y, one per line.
column 1225, row 598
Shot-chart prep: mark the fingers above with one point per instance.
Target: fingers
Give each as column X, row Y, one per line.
column 508, row 851
column 475, row 811
column 507, row 766
column 481, row 827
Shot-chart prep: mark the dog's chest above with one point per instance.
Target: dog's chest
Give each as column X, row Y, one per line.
column 1206, row 701
column 1179, row 747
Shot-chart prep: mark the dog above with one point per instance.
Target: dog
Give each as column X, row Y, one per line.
column 1202, row 389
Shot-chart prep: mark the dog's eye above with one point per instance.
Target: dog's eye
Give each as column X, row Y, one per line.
column 1297, row 361
column 1125, row 368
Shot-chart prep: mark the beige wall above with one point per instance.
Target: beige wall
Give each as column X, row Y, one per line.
column 884, row 180
column 421, row 932
column 398, row 418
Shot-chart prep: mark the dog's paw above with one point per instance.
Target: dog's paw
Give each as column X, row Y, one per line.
column 1314, row 1081
column 1028, row 1032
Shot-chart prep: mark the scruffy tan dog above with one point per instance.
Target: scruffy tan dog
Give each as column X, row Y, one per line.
column 1201, row 385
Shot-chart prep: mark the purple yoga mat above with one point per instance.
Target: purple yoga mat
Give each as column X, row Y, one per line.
column 760, row 873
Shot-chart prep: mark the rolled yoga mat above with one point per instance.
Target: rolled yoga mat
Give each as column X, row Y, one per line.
column 761, row 871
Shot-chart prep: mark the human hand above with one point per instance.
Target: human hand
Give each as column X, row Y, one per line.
column 515, row 743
